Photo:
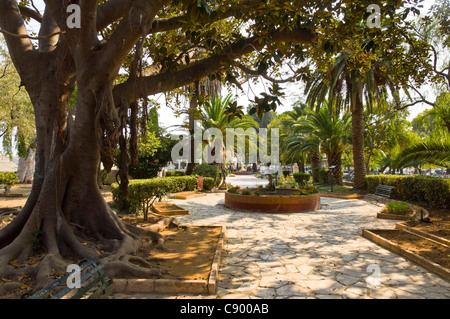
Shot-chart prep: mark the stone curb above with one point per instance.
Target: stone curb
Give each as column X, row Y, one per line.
column 176, row 285
column 425, row 263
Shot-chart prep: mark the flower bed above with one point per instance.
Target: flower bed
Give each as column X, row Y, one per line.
column 283, row 201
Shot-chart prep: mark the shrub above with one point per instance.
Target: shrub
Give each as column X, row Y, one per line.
column 306, row 190
column 399, row 208
column 246, row 192
column 233, row 190
column 143, row 192
column 257, row 193
column 8, row 178
column 207, row 170
column 208, row 183
column 286, row 174
column 175, row 173
column 301, row 178
column 433, row 192
column 323, row 176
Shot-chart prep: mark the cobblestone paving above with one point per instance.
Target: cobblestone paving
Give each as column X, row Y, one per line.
column 309, row 255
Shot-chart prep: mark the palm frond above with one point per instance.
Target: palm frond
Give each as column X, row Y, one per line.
column 430, row 152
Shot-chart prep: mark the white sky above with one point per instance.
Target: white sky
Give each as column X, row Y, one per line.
column 292, row 90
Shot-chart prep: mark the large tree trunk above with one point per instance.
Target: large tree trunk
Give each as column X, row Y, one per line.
column 315, row 163
column 359, row 162
column 67, row 207
column 335, row 174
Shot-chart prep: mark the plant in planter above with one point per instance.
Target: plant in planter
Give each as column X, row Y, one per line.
column 233, row 190
column 397, row 208
column 306, row 190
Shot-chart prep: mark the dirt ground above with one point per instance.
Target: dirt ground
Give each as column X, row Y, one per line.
column 188, row 251
column 440, row 225
column 418, row 245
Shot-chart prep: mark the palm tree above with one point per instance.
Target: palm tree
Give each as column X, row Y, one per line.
column 222, row 113
column 292, row 142
column 346, row 87
column 327, row 133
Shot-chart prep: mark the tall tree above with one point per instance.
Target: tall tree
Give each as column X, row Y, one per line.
column 324, row 132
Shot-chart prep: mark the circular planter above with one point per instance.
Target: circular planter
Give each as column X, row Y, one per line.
column 279, row 203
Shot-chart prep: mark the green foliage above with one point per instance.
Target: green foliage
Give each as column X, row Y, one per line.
column 246, row 192
column 17, row 124
column 306, row 190
column 175, row 173
column 208, row 183
column 285, row 174
column 142, row 193
column 257, row 193
column 427, row 191
column 8, row 178
column 301, row 178
column 398, row 208
column 323, row 175
column 430, row 152
column 151, row 163
column 207, row 170
column 233, row 190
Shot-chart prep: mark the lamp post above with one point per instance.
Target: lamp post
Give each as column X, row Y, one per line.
column 332, row 175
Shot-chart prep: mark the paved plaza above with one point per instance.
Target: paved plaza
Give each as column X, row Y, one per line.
column 317, row 254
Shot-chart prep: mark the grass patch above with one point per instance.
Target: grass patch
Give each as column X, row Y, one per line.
column 336, row 189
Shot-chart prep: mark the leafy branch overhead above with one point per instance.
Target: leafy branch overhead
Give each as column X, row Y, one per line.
column 268, row 102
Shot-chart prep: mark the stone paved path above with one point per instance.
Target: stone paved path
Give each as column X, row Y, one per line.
column 307, row 255
column 310, row 255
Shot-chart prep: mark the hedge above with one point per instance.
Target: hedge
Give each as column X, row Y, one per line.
column 143, row 192
column 207, row 170
column 8, row 178
column 175, row 173
column 433, row 192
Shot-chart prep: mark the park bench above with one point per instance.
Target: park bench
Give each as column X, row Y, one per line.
column 382, row 193
column 94, row 284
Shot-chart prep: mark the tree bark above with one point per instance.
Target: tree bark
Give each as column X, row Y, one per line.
column 359, row 162
column 315, row 163
column 336, row 173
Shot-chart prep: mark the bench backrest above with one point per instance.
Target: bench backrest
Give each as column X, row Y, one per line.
column 384, row 190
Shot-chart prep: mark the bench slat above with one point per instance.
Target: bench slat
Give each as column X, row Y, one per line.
column 83, row 278
column 80, row 293
column 56, row 283
column 384, row 190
